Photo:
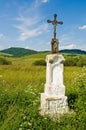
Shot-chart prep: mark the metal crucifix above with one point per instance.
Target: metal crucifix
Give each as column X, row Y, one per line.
column 55, row 22
column 54, row 42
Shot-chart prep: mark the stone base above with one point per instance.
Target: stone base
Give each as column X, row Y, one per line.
column 52, row 106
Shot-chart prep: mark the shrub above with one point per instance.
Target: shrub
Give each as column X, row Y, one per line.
column 72, row 97
column 4, row 61
column 71, row 61
column 40, row 63
column 78, row 60
column 81, row 62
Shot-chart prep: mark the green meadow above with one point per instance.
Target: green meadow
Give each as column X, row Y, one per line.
column 21, row 82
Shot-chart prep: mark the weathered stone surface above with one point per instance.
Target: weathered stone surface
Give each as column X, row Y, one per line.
column 54, row 45
column 53, row 105
column 54, row 75
column 53, row 100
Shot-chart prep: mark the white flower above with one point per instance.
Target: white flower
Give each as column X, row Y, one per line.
column 20, row 128
column 29, row 124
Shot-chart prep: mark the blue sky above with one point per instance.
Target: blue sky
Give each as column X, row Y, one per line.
column 23, row 23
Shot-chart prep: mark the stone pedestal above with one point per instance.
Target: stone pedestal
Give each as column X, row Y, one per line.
column 53, row 100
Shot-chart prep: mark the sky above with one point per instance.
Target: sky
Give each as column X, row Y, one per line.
column 23, row 23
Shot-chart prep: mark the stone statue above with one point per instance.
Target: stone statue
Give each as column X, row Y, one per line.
column 53, row 100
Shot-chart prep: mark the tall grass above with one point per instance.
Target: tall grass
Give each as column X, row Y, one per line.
column 20, row 86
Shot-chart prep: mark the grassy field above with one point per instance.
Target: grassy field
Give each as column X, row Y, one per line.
column 20, row 86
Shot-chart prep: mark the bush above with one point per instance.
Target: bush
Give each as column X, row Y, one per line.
column 78, row 60
column 4, row 61
column 71, row 61
column 72, row 97
column 81, row 62
column 40, row 63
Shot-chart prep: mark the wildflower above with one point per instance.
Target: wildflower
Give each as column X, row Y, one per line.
column 20, row 128
column 29, row 124
column 24, row 117
column 21, row 125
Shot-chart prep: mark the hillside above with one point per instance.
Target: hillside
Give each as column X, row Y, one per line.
column 73, row 51
column 5, row 54
column 18, row 52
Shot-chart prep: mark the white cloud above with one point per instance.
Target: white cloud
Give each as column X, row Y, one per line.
column 69, row 46
column 82, row 27
column 83, row 48
column 30, row 23
column 30, row 27
column 2, row 36
column 44, row 1
column 27, row 47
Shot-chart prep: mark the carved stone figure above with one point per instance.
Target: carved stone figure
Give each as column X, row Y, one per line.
column 54, row 45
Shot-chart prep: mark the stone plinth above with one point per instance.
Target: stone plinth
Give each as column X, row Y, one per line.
column 53, row 100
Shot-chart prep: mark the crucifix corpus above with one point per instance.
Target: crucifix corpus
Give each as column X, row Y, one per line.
column 54, row 42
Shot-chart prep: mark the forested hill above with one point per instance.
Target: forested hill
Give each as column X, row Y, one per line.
column 18, row 52
column 73, row 51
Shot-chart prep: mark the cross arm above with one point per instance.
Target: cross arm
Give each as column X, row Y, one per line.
column 49, row 21
column 59, row 22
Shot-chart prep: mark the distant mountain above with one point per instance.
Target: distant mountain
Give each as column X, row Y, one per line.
column 73, row 51
column 18, row 52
